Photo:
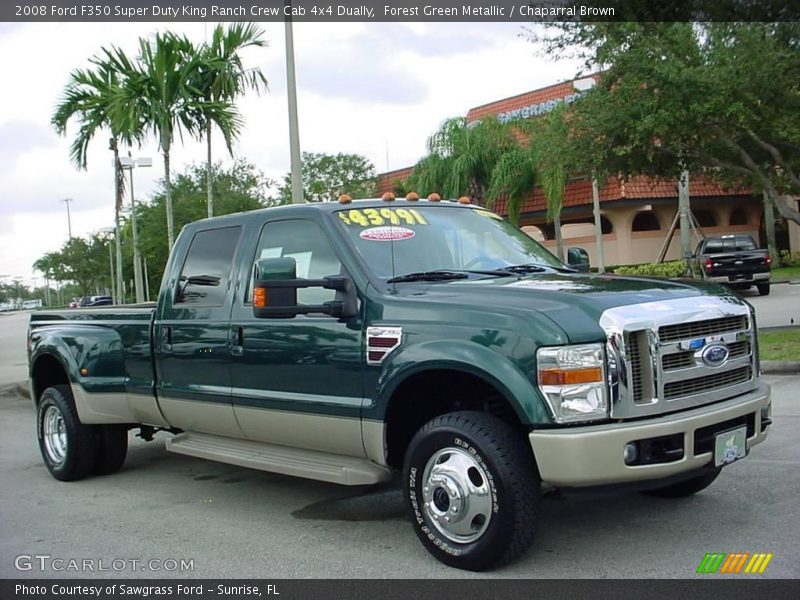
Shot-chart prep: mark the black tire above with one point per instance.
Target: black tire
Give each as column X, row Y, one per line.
column 685, row 488
column 763, row 289
column 511, row 477
column 112, row 446
column 71, row 454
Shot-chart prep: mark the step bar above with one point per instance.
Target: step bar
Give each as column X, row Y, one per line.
column 333, row 468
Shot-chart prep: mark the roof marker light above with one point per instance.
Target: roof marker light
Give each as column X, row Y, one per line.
column 464, row 200
column 387, row 197
column 434, row 197
column 345, row 199
column 412, row 196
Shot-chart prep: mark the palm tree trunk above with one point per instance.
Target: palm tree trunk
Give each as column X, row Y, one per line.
column 120, row 299
column 168, row 194
column 559, row 239
column 208, row 171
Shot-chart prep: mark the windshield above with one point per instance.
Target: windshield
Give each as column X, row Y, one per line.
column 396, row 241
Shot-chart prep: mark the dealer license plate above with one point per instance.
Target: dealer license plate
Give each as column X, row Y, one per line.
column 730, row 446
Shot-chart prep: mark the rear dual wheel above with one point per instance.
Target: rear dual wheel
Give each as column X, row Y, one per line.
column 72, row 450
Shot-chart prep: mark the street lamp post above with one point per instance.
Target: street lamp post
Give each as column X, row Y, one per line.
column 69, row 219
column 109, row 231
column 294, row 134
column 130, row 164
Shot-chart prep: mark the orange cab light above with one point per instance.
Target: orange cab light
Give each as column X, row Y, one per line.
column 84, row 371
column 434, row 197
column 412, row 196
column 570, row 376
column 260, row 297
column 464, row 200
column 387, row 197
column 345, row 199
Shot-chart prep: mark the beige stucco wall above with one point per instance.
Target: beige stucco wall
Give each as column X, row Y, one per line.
column 624, row 246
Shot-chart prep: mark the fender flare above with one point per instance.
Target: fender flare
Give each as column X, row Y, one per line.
column 468, row 357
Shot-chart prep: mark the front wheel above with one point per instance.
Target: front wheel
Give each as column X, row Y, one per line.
column 472, row 490
column 686, row 487
column 66, row 444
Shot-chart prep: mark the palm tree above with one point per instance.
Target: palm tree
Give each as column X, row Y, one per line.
column 223, row 78
column 461, row 157
column 552, row 153
column 95, row 97
column 163, row 88
column 515, row 173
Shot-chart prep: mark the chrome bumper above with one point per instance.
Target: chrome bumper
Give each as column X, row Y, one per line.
column 757, row 277
column 593, row 455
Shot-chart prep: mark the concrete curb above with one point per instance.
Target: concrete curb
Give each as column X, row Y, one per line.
column 780, row 367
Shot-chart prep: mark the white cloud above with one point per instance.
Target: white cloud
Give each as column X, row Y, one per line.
column 373, row 89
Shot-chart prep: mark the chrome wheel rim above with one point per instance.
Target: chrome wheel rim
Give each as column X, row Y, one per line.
column 457, row 497
column 55, row 435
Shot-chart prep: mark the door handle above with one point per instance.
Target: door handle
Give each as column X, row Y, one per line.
column 237, row 342
column 166, row 344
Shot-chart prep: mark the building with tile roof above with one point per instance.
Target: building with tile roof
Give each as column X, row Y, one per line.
column 636, row 214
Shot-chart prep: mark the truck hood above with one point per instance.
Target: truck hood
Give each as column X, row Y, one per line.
column 574, row 302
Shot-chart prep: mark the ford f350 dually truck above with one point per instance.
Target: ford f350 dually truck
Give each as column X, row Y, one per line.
column 347, row 342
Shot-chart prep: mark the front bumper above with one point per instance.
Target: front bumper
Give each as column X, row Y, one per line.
column 593, row 455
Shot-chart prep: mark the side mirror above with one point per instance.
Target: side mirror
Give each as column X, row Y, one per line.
column 275, row 292
column 578, row 259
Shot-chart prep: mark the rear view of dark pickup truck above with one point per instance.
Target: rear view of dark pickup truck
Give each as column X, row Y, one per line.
column 734, row 260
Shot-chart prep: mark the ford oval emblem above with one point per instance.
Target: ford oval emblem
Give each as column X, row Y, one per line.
column 715, row 355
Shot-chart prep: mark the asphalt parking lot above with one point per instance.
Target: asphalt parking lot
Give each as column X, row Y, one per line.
column 232, row 522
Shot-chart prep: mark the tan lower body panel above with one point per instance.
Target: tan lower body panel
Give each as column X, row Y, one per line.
column 584, row 456
column 322, row 433
column 207, row 417
column 374, row 433
column 334, row 468
column 102, row 408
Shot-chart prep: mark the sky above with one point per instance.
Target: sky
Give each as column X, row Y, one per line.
column 376, row 89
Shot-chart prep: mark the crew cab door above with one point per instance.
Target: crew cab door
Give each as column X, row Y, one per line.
column 297, row 381
column 191, row 344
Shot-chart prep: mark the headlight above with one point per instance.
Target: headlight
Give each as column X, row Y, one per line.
column 573, row 381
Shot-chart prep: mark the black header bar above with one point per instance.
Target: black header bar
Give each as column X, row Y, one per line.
column 325, row 11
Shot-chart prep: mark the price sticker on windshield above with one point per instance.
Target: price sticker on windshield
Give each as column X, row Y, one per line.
column 377, row 217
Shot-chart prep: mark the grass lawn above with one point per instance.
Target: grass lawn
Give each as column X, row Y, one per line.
column 786, row 274
column 779, row 344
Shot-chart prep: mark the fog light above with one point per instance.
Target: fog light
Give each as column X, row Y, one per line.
column 630, row 453
column 766, row 416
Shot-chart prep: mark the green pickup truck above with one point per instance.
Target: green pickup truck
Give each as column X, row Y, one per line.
column 352, row 341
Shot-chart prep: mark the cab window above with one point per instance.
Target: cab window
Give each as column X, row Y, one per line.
column 206, row 271
column 306, row 242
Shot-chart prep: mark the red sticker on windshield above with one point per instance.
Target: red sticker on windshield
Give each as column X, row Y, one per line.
column 386, row 234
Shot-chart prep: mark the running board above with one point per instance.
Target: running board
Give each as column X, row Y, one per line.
column 334, row 468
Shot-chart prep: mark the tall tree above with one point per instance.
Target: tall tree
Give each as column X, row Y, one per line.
column 719, row 98
column 240, row 187
column 326, row 176
column 461, row 157
column 164, row 89
column 96, row 99
column 515, row 173
column 223, row 78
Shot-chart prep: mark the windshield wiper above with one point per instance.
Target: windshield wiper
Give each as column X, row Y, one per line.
column 535, row 268
column 429, row 276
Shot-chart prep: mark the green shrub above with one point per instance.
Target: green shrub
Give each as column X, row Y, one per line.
column 674, row 268
column 790, row 259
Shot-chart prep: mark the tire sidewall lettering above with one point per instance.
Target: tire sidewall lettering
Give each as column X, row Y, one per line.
column 420, row 519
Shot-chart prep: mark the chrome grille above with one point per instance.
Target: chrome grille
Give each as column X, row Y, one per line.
column 698, row 385
column 684, row 360
column 696, row 329
column 658, row 347
column 635, row 359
